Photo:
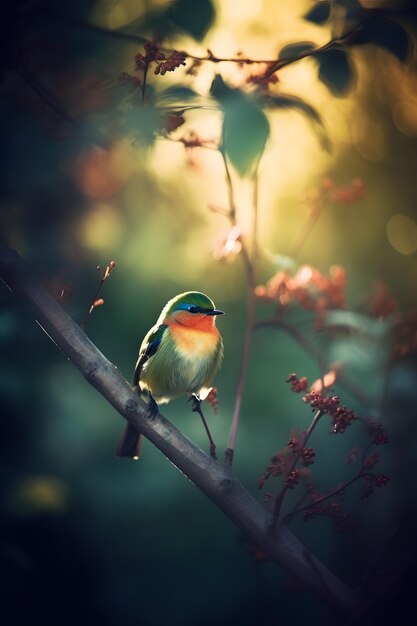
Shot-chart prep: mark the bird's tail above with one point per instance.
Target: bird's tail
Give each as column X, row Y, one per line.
column 130, row 444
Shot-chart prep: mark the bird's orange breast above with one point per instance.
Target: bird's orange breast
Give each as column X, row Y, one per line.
column 193, row 342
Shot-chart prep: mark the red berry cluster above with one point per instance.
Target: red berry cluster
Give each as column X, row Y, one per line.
column 263, row 80
column 308, row 288
column 371, row 481
column 163, row 63
column 370, row 461
column 293, row 445
column 341, row 415
column 375, row 430
column 128, row 79
column 307, row 456
column 321, row 403
column 152, row 53
column 212, row 399
column 333, row 510
column 173, row 121
column 170, row 63
column 293, row 479
column 343, row 194
column 297, row 384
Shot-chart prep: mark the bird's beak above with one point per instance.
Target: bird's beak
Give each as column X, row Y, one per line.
column 215, row 312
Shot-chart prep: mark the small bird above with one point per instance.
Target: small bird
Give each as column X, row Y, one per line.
column 179, row 355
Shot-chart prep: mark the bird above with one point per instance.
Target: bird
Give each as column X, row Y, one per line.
column 179, row 355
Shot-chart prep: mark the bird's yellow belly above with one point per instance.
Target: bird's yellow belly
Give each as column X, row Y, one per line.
column 184, row 365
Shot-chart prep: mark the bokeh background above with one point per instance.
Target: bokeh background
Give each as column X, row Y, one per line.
column 87, row 538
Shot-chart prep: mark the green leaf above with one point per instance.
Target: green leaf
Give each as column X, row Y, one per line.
column 287, row 102
column 293, row 50
column 143, row 123
column 335, row 70
column 353, row 9
column 195, row 18
column 245, row 126
column 220, row 90
column 176, row 95
column 386, row 33
column 319, row 14
column 357, row 323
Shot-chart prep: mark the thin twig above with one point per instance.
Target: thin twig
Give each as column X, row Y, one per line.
column 305, row 230
column 332, row 493
column 145, row 73
column 110, row 267
column 274, row 64
column 302, row 444
column 255, row 214
column 44, row 94
column 359, row 474
column 316, row 354
column 250, row 320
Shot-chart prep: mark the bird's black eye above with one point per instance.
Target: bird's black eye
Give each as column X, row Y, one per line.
column 193, row 309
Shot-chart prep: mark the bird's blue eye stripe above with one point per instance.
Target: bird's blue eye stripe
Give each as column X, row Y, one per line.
column 192, row 308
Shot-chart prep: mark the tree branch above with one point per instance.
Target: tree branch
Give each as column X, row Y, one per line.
column 213, row 478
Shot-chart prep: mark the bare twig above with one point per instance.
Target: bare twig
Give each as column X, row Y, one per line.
column 316, row 354
column 273, row 64
column 306, row 436
column 94, row 302
column 250, row 320
column 359, row 474
column 44, row 95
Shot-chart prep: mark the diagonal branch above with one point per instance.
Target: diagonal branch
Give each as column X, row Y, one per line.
column 213, row 478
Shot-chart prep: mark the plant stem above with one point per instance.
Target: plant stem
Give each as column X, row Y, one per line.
column 305, row 230
column 284, row 489
column 274, row 64
column 91, row 305
column 316, row 355
column 334, row 492
column 45, row 95
column 145, row 73
column 250, row 317
column 255, row 215
column 311, row 505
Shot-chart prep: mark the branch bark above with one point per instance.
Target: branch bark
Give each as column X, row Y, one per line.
column 213, row 478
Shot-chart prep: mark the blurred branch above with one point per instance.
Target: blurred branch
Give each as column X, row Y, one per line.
column 44, row 94
column 250, row 317
column 316, row 354
column 95, row 301
column 306, row 436
column 273, row 64
column 213, row 478
column 311, row 505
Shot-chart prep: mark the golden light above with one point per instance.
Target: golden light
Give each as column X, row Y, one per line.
column 101, row 228
column 303, row 275
column 402, row 234
column 405, row 116
column 40, row 493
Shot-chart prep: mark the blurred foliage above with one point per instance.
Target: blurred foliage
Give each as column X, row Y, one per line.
column 94, row 169
column 245, row 128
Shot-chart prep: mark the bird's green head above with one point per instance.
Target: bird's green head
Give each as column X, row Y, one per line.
column 191, row 308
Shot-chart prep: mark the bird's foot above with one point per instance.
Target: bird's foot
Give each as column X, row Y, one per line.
column 196, row 408
column 196, row 403
column 153, row 408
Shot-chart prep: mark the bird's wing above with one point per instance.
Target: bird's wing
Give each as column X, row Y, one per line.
column 148, row 348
